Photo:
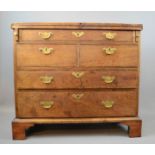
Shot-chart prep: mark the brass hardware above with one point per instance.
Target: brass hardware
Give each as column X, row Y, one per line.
column 109, row 35
column 78, row 34
column 108, row 79
column 46, row 50
column 46, row 79
column 108, row 103
column 77, row 96
column 46, row 104
column 109, row 50
column 45, row 35
column 78, row 74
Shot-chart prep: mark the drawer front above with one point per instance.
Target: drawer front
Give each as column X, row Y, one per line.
column 76, row 79
column 93, row 35
column 109, row 55
column 76, row 104
column 46, row 55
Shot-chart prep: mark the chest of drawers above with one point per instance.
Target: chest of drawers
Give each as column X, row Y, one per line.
column 76, row 73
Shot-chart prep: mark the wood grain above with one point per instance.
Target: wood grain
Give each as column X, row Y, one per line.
column 71, row 25
column 30, row 55
column 21, row 125
column 93, row 55
column 76, row 120
column 134, row 127
column 65, row 105
column 91, row 35
column 19, row 130
column 76, row 54
column 65, row 79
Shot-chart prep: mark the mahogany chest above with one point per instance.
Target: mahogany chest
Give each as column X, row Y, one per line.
column 76, row 73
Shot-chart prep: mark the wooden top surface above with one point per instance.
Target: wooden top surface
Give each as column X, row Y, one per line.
column 115, row 26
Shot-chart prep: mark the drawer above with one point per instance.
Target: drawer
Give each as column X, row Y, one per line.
column 92, row 35
column 46, row 55
column 59, row 104
column 77, row 79
column 109, row 55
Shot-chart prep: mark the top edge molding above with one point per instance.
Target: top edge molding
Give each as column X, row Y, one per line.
column 115, row 26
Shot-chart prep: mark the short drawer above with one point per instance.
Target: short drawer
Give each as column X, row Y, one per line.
column 59, row 104
column 46, row 55
column 109, row 55
column 62, row 35
column 77, row 79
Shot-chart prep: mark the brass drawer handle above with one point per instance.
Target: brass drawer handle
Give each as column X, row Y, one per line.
column 78, row 74
column 46, row 50
column 46, row 104
column 45, row 35
column 109, row 35
column 78, row 34
column 46, row 79
column 108, row 103
column 108, row 79
column 109, row 50
column 77, row 96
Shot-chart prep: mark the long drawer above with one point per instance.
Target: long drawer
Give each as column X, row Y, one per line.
column 77, row 79
column 47, row 35
column 59, row 104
